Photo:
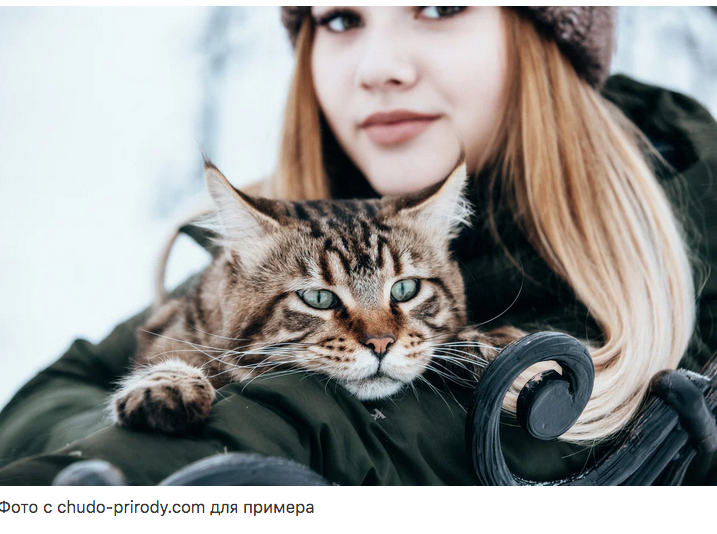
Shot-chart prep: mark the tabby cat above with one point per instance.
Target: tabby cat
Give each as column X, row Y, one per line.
column 362, row 291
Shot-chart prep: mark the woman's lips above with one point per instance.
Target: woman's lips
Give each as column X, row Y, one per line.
column 393, row 133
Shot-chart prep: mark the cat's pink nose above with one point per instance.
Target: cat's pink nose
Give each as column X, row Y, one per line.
column 379, row 344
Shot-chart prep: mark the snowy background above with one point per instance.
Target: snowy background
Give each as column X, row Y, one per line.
column 102, row 112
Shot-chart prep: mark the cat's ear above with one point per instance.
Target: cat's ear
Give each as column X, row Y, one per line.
column 241, row 223
column 441, row 209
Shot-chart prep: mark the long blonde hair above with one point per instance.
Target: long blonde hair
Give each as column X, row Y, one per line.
column 578, row 183
column 301, row 173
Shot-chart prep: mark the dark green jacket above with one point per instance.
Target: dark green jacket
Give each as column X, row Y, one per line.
column 59, row 417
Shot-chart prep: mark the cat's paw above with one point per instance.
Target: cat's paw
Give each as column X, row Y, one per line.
column 170, row 397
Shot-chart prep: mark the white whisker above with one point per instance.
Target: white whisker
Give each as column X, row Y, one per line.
column 435, row 390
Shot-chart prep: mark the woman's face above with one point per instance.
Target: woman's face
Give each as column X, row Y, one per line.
column 400, row 85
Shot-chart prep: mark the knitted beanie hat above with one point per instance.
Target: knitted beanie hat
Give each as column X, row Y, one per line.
column 584, row 34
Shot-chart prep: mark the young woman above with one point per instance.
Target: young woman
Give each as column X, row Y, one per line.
column 520, row 89
column 584, row 224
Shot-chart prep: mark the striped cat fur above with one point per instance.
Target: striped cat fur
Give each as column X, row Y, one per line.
column 364, row 292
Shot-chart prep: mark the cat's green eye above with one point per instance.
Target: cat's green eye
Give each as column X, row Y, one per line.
column 404, row 290
column 321, row 299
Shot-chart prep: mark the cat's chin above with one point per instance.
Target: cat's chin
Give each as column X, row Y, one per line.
column 373, row 388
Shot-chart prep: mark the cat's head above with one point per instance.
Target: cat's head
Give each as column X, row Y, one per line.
column 357, row 290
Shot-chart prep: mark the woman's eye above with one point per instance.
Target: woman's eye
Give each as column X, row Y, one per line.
column 320, row 299
column 339, row 21
column 438, row 12
column 404, row 290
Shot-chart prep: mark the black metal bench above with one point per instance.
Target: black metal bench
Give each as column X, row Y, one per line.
column 675, row 424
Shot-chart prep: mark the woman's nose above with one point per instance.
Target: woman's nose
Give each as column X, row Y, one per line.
column 385, row 64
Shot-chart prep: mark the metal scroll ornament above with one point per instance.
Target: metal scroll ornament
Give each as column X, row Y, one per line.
column 676, row 424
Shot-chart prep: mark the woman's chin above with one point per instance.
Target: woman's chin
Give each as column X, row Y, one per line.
column 409, row 171
column 406, row 180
